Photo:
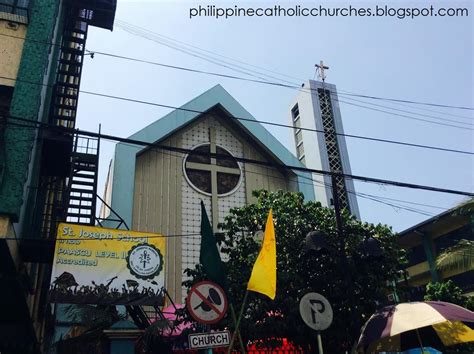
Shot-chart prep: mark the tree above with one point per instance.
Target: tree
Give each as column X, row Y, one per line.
column 449, row 292
column 355, row 288
column 459, row 257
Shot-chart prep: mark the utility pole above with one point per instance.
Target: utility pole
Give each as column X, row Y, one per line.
column 343, row 258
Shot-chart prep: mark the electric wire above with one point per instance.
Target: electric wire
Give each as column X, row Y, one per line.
column 361, row 195
column 341, row 92
column 328, row 186
column 282, row 166
column 430, row 147
column 346, row 92
column 405, row 111
column 294, row 87
column 120, row 23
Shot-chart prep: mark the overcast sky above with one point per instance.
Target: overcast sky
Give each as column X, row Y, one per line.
column 425, row 59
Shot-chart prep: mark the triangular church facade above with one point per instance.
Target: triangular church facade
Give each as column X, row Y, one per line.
column 160, row 191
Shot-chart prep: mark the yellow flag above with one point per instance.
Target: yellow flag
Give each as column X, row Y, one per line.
column 263, row 278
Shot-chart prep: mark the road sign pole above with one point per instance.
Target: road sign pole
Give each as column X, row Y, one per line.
column 320, row 342
column 208, row 329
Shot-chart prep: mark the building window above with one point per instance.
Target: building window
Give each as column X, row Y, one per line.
column 295, row 112
column 199, row 167
column 14, row 10
column 298, row 137
column 300, row 150
column 297, row 123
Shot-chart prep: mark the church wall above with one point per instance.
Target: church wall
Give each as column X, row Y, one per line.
column 198, row 133
column 165, row 202
column 156, row 204
column 261, row 177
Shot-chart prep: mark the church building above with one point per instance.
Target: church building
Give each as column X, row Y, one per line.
column 158, row 190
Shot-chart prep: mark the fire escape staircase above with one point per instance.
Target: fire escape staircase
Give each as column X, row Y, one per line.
column 82, row 183
column 70, row 161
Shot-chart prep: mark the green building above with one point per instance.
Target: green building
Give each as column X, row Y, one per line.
column 449, row 233
column 42, row 48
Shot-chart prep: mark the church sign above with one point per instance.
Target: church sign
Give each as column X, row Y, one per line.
column 94, row 265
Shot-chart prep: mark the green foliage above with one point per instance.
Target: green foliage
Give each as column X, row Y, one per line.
column 448, row 292
column 459, row 257
column 355, row 287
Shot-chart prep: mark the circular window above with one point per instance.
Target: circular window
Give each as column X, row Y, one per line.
column 199, row 169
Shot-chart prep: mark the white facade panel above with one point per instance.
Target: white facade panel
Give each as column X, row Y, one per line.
column 314, row 143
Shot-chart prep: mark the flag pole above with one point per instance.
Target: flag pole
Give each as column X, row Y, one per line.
column 231, row 346
column 234, row 318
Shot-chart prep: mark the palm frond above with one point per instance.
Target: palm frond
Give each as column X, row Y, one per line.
column 458, row 257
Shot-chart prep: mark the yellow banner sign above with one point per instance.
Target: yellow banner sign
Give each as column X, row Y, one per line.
column 97, row 265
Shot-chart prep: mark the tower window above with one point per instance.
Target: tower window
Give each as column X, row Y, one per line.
column 295, row 112
column 300, row 150
column 298, row 136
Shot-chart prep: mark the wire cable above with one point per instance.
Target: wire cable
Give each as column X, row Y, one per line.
column 251, row 161
column 431, row 147
column 264, row 81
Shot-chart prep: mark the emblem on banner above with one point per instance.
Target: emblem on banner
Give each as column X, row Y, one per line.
column 144, row 261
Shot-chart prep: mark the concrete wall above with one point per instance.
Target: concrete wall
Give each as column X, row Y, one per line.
column 28, row 103
column 10, row 50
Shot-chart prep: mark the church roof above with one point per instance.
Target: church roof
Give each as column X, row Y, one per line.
column 125, row 154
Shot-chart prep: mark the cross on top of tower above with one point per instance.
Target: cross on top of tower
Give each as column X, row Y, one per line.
column 321, row 67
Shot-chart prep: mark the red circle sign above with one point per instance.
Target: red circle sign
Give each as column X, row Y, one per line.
column 206, row 302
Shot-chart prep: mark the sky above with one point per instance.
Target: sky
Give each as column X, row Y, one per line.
column 422, row 59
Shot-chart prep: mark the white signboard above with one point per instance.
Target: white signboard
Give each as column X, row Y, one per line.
column 209, row 340
column 316, row 311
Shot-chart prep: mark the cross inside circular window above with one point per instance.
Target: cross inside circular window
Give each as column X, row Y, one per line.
column 219, row 175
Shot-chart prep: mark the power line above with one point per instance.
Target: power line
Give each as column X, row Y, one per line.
column 405, row 111
column 341, row 93
column 405, row 201
column 120, row 23
column 346, row 92
column 328, row 186
column 206, row 57
column 288, row 86
column 411, row 102
column 291, row 87
column 405, row 116
column 373, row 198
column 264, row 122
column 324, row 185
column 252, row 161
column 265, row 81
column 421, row 108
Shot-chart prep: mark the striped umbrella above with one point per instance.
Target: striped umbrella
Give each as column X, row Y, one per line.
column 416, row 325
